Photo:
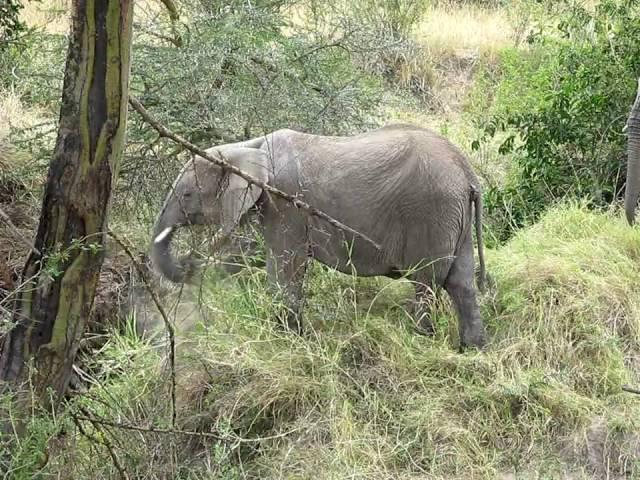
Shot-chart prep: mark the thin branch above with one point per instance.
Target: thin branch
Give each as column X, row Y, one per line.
column 162, row 130
column 167, row 323
column 175, row 41
column 20, row 234
column 628, row 389
column 104, row 441
column 137, row 428
column 336, row 44
column 174, row 431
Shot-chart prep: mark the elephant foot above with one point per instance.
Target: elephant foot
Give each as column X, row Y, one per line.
column 474, row 338
column 294, row 323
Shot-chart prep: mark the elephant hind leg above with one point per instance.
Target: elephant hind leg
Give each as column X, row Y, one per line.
column 459, row 286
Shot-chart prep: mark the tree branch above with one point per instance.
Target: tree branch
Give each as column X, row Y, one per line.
column 101, row 441
column 171, row 7
column 173, row 431
column 165, row 132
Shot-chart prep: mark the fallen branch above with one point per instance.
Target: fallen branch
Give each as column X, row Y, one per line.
column 165, row 132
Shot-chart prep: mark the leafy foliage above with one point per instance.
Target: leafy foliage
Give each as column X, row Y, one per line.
column 563, row 112
column 393, row 18
column 243, row 69
column 10, row 24
column 239, row 74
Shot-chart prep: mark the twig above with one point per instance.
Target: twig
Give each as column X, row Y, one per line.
column 174, row 431
column 20, row 235
column 165, row 132
column 137, row 428
column 104, row 441
column 628, row 389
column 167, row 323
column 176, row 41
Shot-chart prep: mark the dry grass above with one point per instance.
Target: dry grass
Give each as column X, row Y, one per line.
column 14, row 114
column 464, row 30
column 52, row 15
column 457, row 38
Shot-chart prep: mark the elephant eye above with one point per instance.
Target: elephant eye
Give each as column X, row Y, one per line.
column 186, row 195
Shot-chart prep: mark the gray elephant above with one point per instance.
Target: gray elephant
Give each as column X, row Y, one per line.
column 632, row 190
column 407, row 188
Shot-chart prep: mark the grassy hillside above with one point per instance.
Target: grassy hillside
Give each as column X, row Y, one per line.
column 361, row 396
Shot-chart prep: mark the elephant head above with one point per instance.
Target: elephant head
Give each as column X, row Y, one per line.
column 205, row 194
column 632, row 191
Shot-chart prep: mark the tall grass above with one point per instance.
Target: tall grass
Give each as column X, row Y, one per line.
column 361, row 396
column 464, row 28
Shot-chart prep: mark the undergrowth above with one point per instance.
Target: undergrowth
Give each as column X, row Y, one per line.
column 362, row 396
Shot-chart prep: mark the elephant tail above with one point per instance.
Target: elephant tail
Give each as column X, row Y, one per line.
column 476, row 196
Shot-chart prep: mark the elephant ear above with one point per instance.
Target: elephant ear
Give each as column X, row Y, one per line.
column 240, row 196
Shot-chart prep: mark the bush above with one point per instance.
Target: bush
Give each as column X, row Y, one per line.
column 10, row 24
column 563, row 105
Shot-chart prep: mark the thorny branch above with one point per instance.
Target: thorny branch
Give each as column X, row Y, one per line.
column 167, row 322
column 174, row 431
column 163, row 131
column 103, row 441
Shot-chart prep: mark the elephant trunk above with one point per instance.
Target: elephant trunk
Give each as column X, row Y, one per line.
column 632, row 191
column 161, row 255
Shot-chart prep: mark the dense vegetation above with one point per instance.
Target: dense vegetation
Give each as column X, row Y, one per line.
column 539, row 102
column 564, row 104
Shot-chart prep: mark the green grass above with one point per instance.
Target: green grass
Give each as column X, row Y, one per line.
column 361, row 396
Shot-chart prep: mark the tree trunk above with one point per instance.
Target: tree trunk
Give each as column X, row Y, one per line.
column 60, row 276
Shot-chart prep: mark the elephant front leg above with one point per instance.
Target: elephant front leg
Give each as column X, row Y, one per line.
column 286, row 271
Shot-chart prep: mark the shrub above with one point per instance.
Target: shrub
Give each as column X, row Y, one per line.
column 563, row 105
column 10, row 24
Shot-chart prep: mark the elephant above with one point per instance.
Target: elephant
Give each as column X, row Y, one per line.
column 406, row 188
column 632, row 190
